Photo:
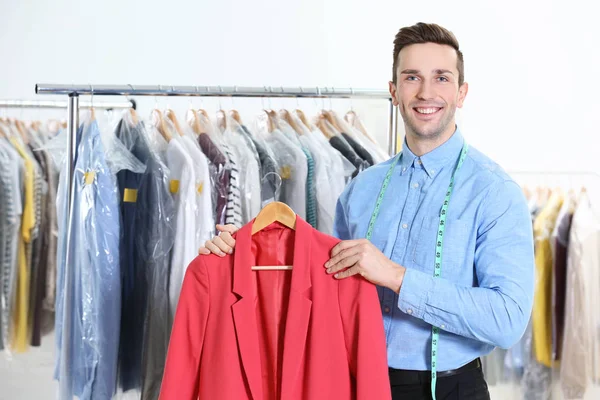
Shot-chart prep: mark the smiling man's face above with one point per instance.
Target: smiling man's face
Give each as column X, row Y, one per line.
column 427, row 90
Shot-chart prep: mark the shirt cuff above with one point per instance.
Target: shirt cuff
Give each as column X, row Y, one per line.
column 414, row 292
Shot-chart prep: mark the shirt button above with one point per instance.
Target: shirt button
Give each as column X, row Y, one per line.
column 403, row 169
column 415, row 185
column 433, row 171
column 386, row 309
column 443, row 326
column 420, row 162
column 404, row 226
column 409, row 311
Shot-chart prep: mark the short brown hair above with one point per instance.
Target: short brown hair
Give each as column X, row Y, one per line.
column 427, row 33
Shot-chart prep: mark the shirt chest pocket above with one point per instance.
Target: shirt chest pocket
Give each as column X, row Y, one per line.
column 455, row 245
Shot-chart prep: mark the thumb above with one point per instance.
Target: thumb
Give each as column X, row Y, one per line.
column 227, row 228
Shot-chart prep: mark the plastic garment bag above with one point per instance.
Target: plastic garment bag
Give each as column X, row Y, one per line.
column 249, row 169
column 89, row 287
column 293, row 166
column 329, row 178
column 182, row 186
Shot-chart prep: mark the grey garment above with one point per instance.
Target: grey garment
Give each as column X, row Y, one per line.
column 157, row 221
column 233, row 211
column 13, row 179
column 537, row 378
column 269, row 179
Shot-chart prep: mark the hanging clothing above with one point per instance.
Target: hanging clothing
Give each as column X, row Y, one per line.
column 260, row 352
column 580, row 357
column 20, row 340
column 325, row 199
column 12, row 172
column 248, row 171
column 233, row 213
column 542, row 306
column 269, row 179
column 89, row 287
column 183, row 187
column 204, row 205
column 560, row 241
column 360, row 151
column 155, row 240
column 347, row 151
column 293, row 171
column 220, row 173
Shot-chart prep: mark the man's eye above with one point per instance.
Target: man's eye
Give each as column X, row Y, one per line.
column 443, row 79
column 411, row 78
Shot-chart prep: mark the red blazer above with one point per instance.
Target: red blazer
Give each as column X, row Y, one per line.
column 290, row 335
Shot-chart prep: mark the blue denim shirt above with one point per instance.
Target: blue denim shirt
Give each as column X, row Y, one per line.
column 484, row 296
column 89, row 290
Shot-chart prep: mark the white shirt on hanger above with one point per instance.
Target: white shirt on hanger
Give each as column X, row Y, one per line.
column 326, row 199
column 183, row 187
column 204, row 208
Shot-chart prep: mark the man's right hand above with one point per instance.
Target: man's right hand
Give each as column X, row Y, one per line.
column 222, row 244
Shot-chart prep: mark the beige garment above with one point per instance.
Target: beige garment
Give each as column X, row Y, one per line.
column 580, row 358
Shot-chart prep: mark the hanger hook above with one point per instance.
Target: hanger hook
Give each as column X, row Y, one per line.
column 297, row 97
column 351, row 99
column 92, row 95
column 270, row 96
column 219, row 97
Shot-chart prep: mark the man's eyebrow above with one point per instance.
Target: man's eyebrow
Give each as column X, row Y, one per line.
column 436, row 71
column 410, row 71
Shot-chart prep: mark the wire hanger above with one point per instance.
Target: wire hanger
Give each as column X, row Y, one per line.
column 274, row 212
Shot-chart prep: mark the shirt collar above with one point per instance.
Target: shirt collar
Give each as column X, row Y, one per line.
column 436, row 159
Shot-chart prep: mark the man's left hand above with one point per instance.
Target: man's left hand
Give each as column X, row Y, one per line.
column 353, row 257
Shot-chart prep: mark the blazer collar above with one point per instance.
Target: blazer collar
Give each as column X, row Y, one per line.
column 242, row 269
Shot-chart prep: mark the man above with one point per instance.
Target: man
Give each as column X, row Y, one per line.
column 457, row 257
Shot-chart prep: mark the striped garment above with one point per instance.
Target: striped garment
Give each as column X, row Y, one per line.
column 233, row 211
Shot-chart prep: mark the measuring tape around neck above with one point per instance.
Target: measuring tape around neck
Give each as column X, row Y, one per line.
column 439, row 248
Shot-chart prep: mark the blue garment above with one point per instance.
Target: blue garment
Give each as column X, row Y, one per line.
column 311, row 190
column 484, row 296
column 89, row 289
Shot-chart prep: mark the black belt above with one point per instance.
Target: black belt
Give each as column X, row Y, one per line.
column 410, row 377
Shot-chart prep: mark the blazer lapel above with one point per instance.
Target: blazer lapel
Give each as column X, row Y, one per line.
column 244, row 314
column 299, row 309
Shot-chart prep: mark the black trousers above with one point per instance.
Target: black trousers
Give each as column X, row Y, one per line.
column 468, row 385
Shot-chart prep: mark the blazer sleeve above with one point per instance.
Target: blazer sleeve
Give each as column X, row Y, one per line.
column 365, row 338
column 180, row 379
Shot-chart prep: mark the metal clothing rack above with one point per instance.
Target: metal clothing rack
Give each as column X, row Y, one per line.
column 62, row 104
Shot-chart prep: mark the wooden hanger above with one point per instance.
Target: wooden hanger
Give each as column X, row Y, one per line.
column 236, row 116
column 322, row 125
column 221, row 120
column 274, row 212
column 355, row 121
column 331, row 119
column 287, row 117
column 192, row 120
column 21, row 130
column 134, row 116
column 171, row 115
column 304, row 120
column 160, row 124
column 271, row 120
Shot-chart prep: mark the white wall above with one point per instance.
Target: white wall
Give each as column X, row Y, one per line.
column 532, row 65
